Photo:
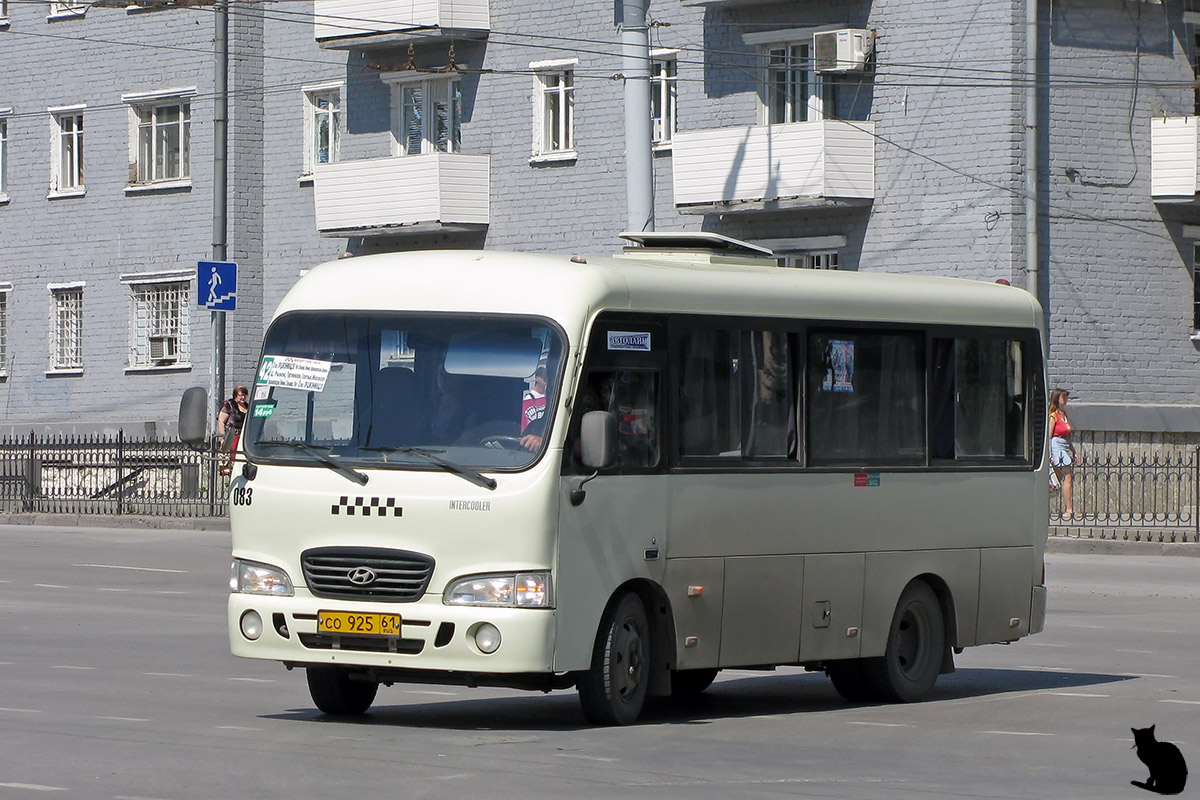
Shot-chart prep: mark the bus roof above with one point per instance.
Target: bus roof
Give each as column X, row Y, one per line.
column 569, row 289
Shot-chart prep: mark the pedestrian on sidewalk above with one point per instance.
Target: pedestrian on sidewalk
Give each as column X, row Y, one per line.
column 1062, row 452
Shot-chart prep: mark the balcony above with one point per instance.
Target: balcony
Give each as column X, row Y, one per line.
column 773, row 167
column 1174, row 156
column 353, row 24
column 403, row 194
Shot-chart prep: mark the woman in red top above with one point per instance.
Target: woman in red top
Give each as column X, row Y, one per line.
column 1062, row 452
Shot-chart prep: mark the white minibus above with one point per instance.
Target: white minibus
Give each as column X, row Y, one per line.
column 623, row 474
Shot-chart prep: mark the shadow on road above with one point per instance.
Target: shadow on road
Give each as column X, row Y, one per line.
column 730, row 697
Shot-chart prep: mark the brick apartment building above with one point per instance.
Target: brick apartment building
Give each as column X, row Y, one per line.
column 872, row 136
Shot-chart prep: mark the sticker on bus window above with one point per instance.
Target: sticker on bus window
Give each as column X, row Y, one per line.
column 629, row 340
column 262, row 409
column 262, row 392
column 839, row 375
column 289, row 372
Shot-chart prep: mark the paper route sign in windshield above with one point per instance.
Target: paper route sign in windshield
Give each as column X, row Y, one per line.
column 289, row 372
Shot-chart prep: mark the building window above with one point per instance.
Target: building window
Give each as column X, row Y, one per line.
column 163, row 141
column 4, row 290
column 66, row 328
column 159, row 324
column 664, row 75
column 827, row 259
column 554, row 112
column 792, row 90
column 322, row 129
column 67, row 158
column 3, row 159
column 428, row 117
column 64, row 8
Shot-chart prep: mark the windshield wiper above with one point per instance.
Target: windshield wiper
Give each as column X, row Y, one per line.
column 323, row 456
column 474, row 476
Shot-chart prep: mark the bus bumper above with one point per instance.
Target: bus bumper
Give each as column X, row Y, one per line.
column 1037, row 610
column 433, row 636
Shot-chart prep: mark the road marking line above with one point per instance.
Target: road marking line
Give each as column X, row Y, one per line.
column 1044, row 644
column 1020, row 733
column 881, row 724
column 1047, row 669
column 1138, row 652
column 124, row 719
column 588, row 758
column 22, row 710
column 1144, row 675
column 1076, row 694
column 6, row 663
column 35, row 787
column 135, row 569
column 1182, row 702
column 110, row 589
column 167, row 675
column 68, row 666
column 253, row 680
column 50, row 586
column 236, row 728
column 165, row 592
column 427, row 691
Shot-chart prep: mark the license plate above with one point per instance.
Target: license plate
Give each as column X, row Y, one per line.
column 353, row 623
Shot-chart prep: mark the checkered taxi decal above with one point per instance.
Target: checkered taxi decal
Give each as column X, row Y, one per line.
column 367, row 507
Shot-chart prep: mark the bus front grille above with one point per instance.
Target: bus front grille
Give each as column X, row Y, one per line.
column 366, row 573
column 362, row 644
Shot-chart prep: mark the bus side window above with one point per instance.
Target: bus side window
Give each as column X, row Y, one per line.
column 977, row 400
column 632, row 397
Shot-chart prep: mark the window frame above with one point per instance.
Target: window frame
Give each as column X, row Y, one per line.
column 817, row 102
column 445, row 90
column 154, row 102
column 66, row 305
column 546, row 97
column 812, row 259
column 140, row 345
column 67, row 9
column 4, row 117
column 312, row 96
column 664, row 97
column 67, row 152
column 5, row 293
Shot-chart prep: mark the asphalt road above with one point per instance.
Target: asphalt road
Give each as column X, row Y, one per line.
column 117, row 683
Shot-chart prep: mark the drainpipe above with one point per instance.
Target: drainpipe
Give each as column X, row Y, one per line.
column 220, row 192
column 639, row 158
column 1031, row 150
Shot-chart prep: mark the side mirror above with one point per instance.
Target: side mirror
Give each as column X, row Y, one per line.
column 193, row 416
column 598, row 439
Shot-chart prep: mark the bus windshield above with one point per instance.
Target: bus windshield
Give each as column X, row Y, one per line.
column 403, row 391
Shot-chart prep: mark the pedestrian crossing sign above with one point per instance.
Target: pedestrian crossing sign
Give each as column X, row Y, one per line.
column 216, row 285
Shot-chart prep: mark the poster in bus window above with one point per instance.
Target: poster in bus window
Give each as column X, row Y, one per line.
column 839, row 375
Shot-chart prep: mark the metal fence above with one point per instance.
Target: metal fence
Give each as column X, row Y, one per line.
column 108, row 475
column 1149, row 489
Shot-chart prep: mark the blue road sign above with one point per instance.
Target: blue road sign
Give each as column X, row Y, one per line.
column 216, row 285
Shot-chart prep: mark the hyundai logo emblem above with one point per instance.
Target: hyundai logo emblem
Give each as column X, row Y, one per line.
column 361, row 576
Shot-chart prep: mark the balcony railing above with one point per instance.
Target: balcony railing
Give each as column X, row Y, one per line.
column 773, row 165
column 1174, row 159
column 432, row 191
column 348, row 24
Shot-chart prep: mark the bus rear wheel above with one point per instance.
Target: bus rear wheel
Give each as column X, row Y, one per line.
column 335, row 692
column 613, row 690
column 915, row 646
column 848, row 680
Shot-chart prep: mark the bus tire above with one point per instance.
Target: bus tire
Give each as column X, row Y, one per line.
column 915, row 646
column 335, row 692
column 691, row 682
column 613, row 689
column 849, row 681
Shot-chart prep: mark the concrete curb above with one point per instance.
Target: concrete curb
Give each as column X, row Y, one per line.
column 1120, row 547
column 122, row 521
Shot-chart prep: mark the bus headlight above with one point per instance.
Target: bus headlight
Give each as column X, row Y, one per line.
column 521, row 590
column 250, row 577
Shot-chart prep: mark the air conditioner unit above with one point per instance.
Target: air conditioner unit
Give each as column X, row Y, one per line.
column 164, row 348
column 845, row 50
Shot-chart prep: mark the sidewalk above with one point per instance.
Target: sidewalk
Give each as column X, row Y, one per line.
column 118, row 521
column 1122, row 541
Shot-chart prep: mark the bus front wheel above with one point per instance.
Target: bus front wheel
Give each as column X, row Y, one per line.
column 915, row 646
column 335, row 692
column 613, row 689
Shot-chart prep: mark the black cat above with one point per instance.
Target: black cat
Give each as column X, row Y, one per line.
column 1168, row 770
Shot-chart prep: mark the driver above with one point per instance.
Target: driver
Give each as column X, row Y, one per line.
column 533, row 412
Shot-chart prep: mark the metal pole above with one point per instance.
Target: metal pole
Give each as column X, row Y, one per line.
column 220, row 195
column 639, row 158
column 1031, row 149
